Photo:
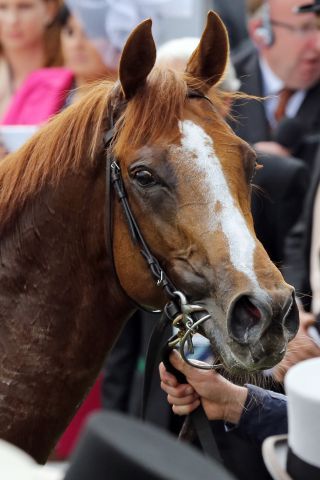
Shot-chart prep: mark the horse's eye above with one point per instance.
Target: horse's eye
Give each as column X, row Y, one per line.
column 144, row 178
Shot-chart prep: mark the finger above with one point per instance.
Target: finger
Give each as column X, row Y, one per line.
column 167, row 377
column 179, row 392
column 185, row 409
column 177, row 361
column 186, row 400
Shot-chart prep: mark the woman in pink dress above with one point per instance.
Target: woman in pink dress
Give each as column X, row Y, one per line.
column 30, row 91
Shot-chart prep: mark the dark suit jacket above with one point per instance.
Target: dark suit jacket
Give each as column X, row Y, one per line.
column 298, row 244
column 277, row 201
column 251, row 122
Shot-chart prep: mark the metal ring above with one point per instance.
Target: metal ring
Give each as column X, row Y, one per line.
column 184, row 316
column 185, row 339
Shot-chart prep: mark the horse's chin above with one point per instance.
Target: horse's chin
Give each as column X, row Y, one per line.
column 243, row 359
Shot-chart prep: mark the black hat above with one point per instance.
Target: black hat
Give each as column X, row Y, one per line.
column 309, row 7
column 118, row 447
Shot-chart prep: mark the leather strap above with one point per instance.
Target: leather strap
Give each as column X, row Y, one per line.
column 197, row 421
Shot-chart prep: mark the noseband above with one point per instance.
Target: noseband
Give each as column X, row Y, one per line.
column 185, row 317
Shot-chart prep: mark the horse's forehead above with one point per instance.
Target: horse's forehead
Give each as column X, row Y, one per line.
column 196, row 149
column 220, row 209
column 195, row 140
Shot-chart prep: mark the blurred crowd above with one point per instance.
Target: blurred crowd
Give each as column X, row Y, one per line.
column 49, row 56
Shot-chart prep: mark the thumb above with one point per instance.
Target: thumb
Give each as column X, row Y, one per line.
column 177, row 362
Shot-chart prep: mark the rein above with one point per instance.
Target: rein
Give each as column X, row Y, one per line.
column 185, row 317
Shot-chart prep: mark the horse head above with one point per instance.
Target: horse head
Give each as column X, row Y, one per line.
column 188, row 181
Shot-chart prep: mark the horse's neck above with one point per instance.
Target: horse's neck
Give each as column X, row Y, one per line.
column 54, row 262
column 60, row 307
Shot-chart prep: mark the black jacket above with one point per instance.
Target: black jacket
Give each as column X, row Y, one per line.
column 277, row 201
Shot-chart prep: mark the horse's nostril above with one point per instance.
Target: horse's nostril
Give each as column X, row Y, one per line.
column 244, row 317
column 250, row 308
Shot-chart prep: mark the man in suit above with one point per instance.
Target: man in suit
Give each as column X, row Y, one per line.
column 283, row 64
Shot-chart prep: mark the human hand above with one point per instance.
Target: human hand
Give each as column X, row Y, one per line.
column 300, row 348
column 273, row 148
column 220, row 398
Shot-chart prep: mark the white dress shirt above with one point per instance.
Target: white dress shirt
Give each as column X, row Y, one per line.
column 272, row 85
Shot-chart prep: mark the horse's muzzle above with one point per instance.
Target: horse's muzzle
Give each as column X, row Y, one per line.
column 249, row 318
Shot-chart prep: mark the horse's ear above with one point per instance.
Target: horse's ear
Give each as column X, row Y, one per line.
column 137, row 59
column 209, row 60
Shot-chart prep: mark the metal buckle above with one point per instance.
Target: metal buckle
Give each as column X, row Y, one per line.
column 160, row 281
column 115, row 167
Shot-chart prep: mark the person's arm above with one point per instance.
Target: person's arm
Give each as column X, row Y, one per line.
column 264, row 414
column 251, row 411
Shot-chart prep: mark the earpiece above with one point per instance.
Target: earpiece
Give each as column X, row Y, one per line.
column 266, row 30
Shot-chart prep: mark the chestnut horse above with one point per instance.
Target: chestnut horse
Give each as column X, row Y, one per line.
column 187, row 178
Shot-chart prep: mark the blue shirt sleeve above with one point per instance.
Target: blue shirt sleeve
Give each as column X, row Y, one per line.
column 264, row 414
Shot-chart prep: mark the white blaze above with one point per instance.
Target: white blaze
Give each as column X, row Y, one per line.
column 197, row 148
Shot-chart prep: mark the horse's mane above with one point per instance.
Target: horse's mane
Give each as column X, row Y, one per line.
column 70, row 141
column 61, row 145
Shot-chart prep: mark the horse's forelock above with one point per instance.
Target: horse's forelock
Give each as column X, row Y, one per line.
column 154, row 112
column 156, row 109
